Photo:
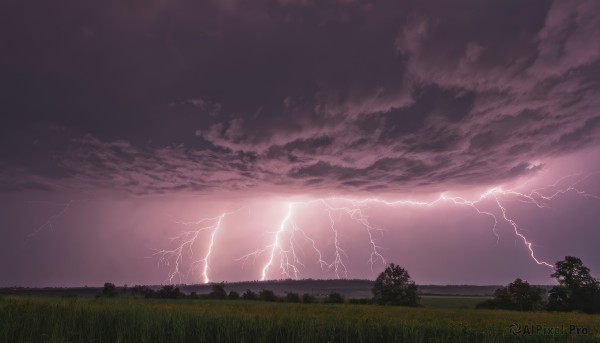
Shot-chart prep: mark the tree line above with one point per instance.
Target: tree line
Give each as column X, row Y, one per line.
column 218, row 292
column 577, row 290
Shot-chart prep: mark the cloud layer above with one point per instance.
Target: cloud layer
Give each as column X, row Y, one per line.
column 296, row 96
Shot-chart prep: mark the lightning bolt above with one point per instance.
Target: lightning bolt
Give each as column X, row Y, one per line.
column 287, row 239
column 49, row 223
column 205, row 269
column 517, row 233
column 186, row 243
column 276, row 246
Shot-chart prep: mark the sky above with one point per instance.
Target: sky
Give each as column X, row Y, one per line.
column 178, row 141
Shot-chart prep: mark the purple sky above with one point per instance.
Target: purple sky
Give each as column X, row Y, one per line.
column 124, row 124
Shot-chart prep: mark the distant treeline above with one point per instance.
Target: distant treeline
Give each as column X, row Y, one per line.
column 219, row 293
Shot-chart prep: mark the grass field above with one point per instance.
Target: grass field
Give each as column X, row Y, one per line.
column 451, row 301
column 45, row 319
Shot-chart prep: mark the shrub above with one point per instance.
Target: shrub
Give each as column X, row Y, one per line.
column 292, row 297
column 144, row 291
column 109, row 291
column 249, row 295
column 518, row 295
column 334, row 298
column 267, row 295
column 169, row 292
column 218, row 292
column 308, row 299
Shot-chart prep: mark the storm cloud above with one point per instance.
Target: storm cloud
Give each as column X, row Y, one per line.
column 163, row 96
column 126, row 124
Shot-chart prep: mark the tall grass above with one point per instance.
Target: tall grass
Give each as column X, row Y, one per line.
column 39, row 319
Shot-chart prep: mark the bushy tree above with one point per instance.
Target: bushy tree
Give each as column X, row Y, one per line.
column 395, row 287
column 169, row 292
column 144, row 291
column 518, row 295
column 249, row 295
column 109, row 290
column 267, row 295
column 233, row 295
column 292, row 297
column 218, row 291
column 577, row 290
column 334, row 298
column 308, row 299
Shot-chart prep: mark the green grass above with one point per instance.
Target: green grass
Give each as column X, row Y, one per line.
column 451, row 301
column 43, row 319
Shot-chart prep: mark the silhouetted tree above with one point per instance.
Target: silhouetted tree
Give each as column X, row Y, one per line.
column 518, row 295
column 334, row 298
column 292, row 297
column 267, row 295
column 395, row 287
column 218, row 291
column 233, row 295
column 577, row 289
column 109, row 290
column 169, row 292
column 144, row 291
column 249, row 295
column 308, row 299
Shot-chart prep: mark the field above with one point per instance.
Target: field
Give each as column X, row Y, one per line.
column 451, row 301
column 75, row 319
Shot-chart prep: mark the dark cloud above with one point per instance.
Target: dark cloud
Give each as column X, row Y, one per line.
column 164, row 96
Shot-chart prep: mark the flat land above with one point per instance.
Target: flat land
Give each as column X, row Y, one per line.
column 76, row 319
column 451, row 301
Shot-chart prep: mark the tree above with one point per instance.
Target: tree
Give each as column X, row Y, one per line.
column 292, row 297
column 249, row 295
column 169, row 292
column 308, row 299
column 109, row 290
column 576, row 290
column 518, row 295
column 267, row 295
column 144, row 291
column 395, row 287
column 233, row 295
column 218, row 291
column 334, row 298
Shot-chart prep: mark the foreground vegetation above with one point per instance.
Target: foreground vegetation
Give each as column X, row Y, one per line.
column 44, row 319
column 144, row 314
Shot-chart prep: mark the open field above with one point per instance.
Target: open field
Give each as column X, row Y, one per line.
column 451, row 301
column 45, row 319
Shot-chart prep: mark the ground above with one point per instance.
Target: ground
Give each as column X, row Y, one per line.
column 442, row 319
